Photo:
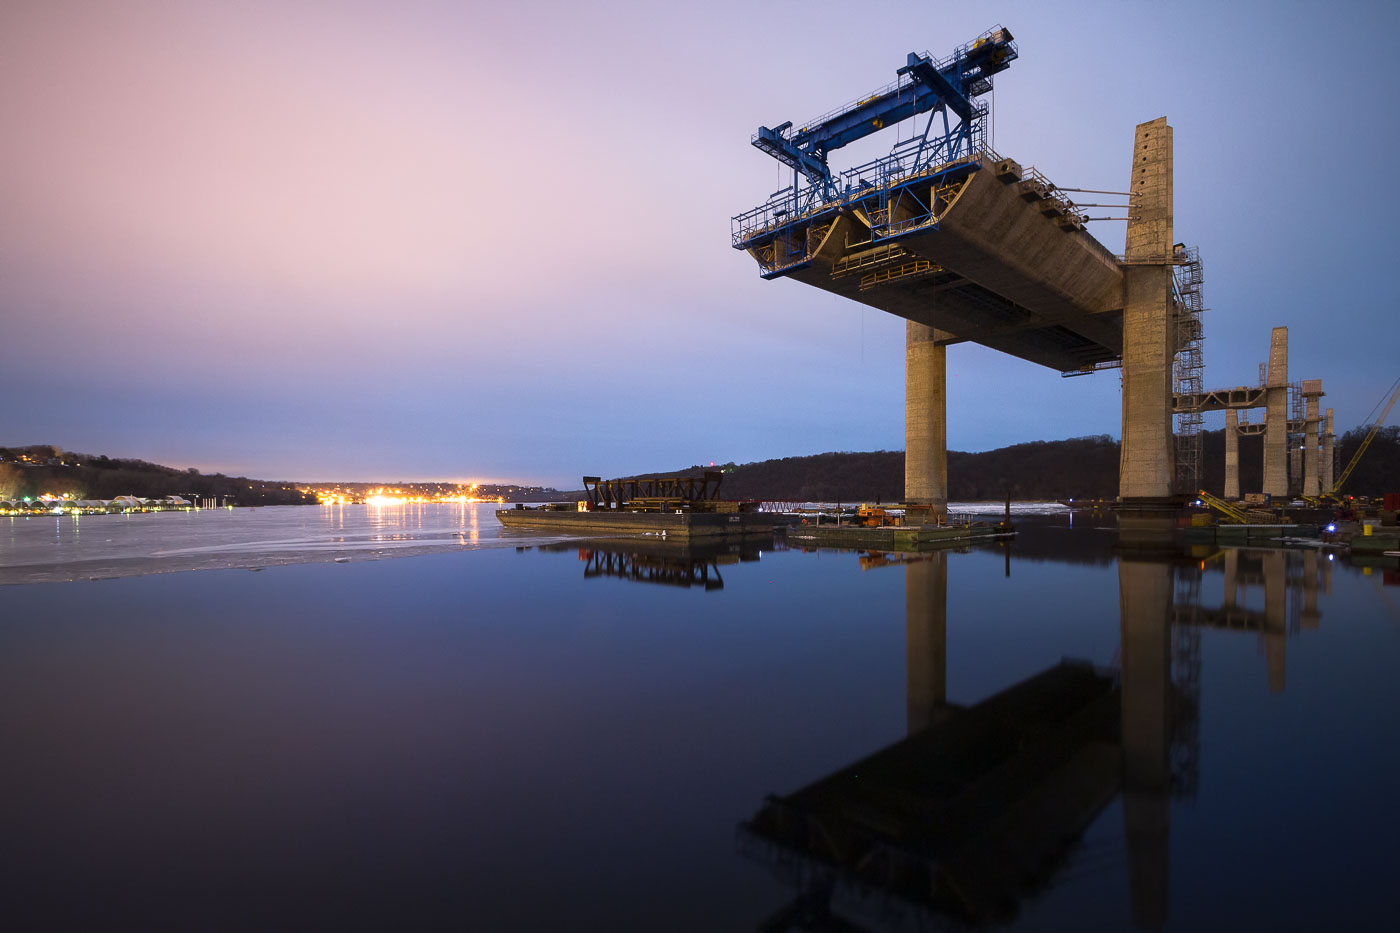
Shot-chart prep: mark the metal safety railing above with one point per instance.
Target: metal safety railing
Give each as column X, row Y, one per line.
column 872, row 180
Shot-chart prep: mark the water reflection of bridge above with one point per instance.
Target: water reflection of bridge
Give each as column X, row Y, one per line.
column 980, row 807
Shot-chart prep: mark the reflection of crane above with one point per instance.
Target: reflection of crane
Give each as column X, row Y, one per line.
column 1370, row 436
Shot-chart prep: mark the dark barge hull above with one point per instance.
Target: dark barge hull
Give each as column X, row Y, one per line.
column 682, row 526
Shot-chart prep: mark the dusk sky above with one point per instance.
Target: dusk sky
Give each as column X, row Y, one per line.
column 341, row 239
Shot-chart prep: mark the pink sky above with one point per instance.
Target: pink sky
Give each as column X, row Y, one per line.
column 478, row 227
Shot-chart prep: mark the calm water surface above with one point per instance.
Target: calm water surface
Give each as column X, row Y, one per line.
column 561, row 736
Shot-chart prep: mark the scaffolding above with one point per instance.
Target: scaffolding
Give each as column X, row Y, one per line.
column 1296, row 431
column 1188, row 365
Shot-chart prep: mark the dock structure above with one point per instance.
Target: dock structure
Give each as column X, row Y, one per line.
column 896, row 536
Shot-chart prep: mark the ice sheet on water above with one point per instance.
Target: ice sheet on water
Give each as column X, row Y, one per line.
column 999, row 508
column 46, row 549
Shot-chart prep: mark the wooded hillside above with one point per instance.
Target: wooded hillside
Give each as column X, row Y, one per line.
column 1078, row 468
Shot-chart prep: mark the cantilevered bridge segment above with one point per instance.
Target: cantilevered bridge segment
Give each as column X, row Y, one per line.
column 969, row 246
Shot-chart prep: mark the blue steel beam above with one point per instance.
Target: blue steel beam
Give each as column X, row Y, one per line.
column 933, row 85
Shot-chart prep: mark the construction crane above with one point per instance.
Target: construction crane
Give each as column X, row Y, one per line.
column 1233, row 514
column 945, row 89
column 1366, row 442
column 924, row 85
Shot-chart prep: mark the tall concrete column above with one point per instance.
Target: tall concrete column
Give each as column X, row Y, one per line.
column 1232, row 454
column 1325, row 480
column 1276, row 416
column 926, row 640
column 925, row 419
column 1146, row 465
column 1312, row 391
column 1145, row 600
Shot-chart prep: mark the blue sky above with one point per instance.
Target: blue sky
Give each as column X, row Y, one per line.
column 443, row 240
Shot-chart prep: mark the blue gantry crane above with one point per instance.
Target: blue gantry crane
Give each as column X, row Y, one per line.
column 946, row 90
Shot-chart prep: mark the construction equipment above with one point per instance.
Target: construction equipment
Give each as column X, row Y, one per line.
column 1366, row 442
column 1233, row 514
column 882, row 192
column 871, row 516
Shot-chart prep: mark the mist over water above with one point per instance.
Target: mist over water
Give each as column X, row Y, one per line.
column 1059, row 734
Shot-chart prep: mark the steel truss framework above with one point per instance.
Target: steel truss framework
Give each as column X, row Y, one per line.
column 881, row 193
column 614, row 493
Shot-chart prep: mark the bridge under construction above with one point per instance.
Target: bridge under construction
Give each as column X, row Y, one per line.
column 970, row 246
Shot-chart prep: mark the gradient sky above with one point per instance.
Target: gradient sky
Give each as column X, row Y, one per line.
column 341, row 239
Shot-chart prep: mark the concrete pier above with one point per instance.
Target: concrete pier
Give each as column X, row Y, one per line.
column 1232, row 454
column 1147, row 461
column 925, row 418
column 1312, row 391
column 1276, row 417
column 1325, row 478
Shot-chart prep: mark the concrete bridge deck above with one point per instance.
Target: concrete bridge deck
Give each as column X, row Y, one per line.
column 1003, row 264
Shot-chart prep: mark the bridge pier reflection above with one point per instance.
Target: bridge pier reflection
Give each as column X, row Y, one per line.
column 981, row 806
column 1145, row 593
column 926, row 640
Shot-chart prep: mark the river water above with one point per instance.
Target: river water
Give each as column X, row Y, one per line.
column 505, row 732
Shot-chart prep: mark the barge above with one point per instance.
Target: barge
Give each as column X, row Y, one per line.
column 678, row 525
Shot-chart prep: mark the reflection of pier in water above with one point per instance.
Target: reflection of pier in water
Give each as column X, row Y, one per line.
column 980, row 807
column 671, row 564
column 1290, row 581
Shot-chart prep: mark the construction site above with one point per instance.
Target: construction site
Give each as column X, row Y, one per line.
column 971, row 246
column 968, row 245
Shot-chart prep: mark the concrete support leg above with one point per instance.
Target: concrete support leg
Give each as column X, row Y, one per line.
column 1147, row 460
column 1325, row 478
column 1310, row 476
column 1145, row 599
column 926, row 640
column 1276, row 417
column 1232, row 454
column 925, row 419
